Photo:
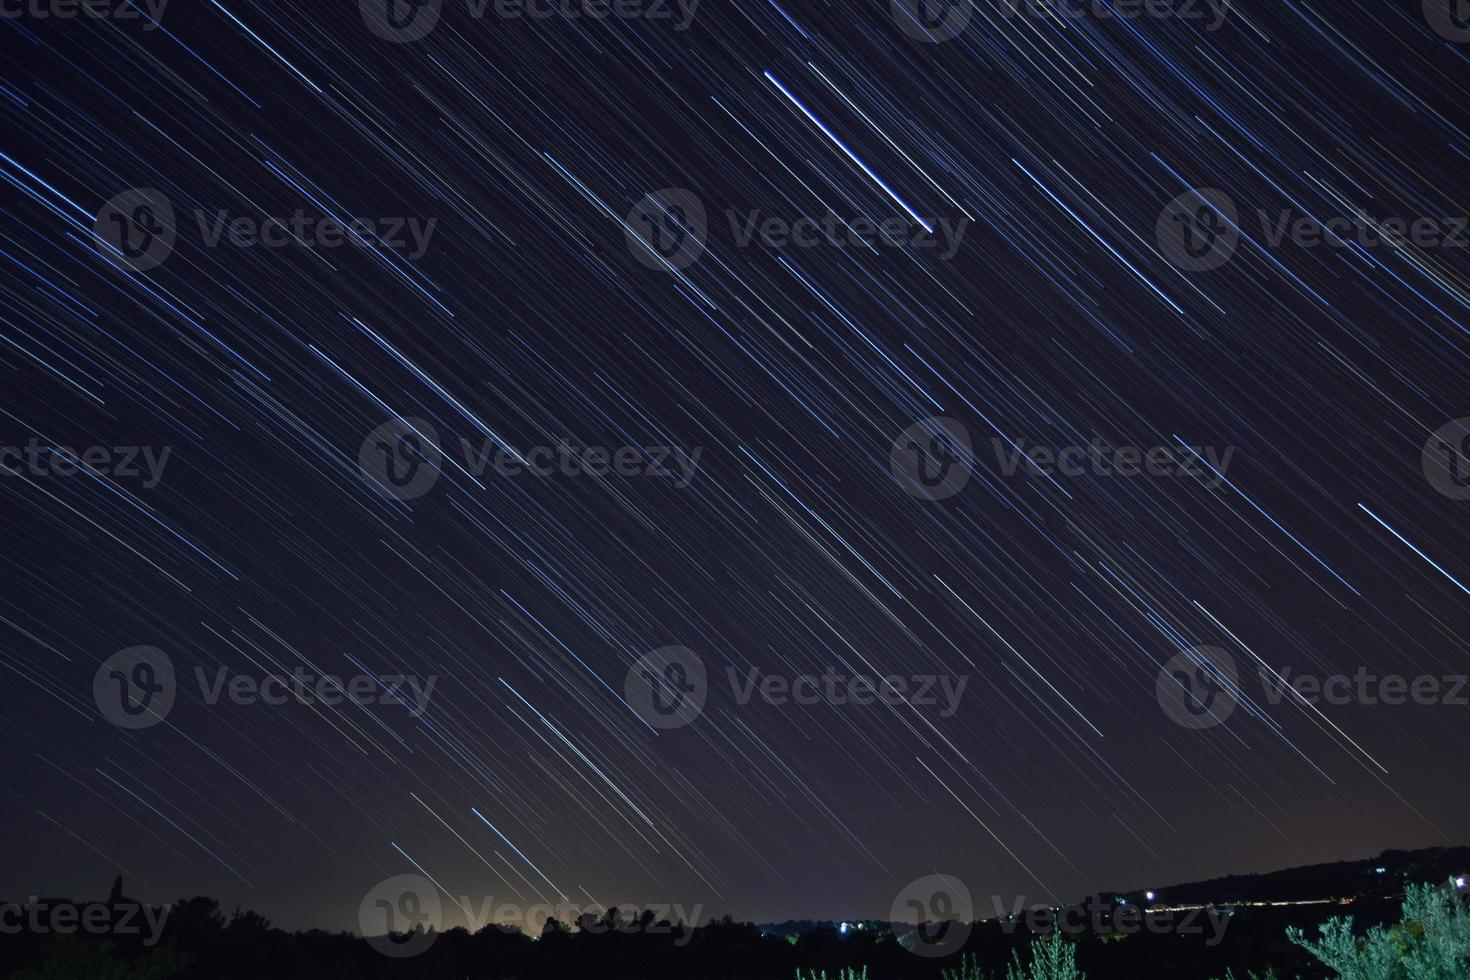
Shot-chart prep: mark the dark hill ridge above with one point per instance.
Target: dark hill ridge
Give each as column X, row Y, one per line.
column 1313, row 882
column 1383, row 876
column 199, row 942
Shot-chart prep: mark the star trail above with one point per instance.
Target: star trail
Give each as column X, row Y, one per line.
column 739, row 455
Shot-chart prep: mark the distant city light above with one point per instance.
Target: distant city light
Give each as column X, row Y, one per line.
column 1149, row 896
column 1380, row 870
column 843, row 930
column 1460, row 882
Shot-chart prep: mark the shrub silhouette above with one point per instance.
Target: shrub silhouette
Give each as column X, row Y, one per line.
column 1431, row 942
column 1051, row 958
column 1421, row 935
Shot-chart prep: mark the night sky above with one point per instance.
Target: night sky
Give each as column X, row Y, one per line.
column 309, row 452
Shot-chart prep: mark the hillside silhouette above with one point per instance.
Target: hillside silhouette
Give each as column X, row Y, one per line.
column 199, row 940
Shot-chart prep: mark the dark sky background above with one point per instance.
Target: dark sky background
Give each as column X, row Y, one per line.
column 791, row 370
